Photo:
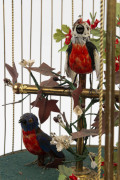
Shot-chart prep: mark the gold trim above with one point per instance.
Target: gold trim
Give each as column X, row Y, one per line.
column 19, row 88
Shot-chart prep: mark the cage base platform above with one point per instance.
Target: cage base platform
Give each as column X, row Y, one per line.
column 12, row 166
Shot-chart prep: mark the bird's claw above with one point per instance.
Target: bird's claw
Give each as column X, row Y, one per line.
column 32, row 163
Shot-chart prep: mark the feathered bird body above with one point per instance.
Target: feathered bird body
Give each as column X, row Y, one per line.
column 81, row 56
column 37, row 142
column 31, row 143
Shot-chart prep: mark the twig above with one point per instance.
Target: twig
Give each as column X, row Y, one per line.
column 17, row 101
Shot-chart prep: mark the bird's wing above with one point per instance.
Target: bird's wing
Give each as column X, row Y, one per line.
column 94, row 56
column 71, row 74
column 44, row 142
column 97, row 63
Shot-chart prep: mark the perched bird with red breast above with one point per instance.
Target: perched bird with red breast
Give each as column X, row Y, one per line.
column 81, row 56
column 38, row 143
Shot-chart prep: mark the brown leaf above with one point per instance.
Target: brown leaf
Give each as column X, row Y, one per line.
column 75, row 94
column 96, row 123
column 117, row 77
column 49, row 83
column 45, row 107
column 43, row 69
column 37, row 101
column 84, row 133
column 13, row 72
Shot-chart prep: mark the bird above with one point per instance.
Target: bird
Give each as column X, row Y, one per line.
column 38, row 143
column 82, row 56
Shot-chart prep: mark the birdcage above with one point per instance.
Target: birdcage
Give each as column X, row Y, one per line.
column 28, row 32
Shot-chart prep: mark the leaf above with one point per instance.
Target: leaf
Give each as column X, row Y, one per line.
column 95, row 32
column 44, row 69
column 13, row 72
column 45, row 107
column 115, row 160
column 38, row 98
column 117, row 9
column 76, row 94
column 59, row 35
column 64, row 48
column 96, row 120
column 65, row 28
column 65, row 170
column 96, row 42
column 116, row 122
column 84, row 133
column 117, row 50
column 49, row 83
column 62, row 177
column 102, row 160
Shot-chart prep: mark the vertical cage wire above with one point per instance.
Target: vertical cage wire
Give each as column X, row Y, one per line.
column 71, row 97
column 21, row 59
column 13, row 133
column 60, row 99
column 40, row 38
column 4, row 75
column 51, row 50
column 31, row 12
column 93, row 12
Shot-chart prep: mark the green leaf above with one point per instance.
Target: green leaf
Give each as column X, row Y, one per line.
column 65, row 170
column 117, row 144
column 115, row 157
column 59, row 35
column 64, row 48
column 96, row 42
column 95, row 32
column 102, row 160
column 62, row 177
column 117, row 50
column 65, row 28
column 117, row 9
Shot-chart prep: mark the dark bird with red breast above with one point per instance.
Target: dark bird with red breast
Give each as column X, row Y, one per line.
column 38, row 143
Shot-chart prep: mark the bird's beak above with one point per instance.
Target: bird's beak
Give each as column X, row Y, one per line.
column 22, row 121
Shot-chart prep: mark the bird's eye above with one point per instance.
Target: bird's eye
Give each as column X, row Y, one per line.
column 30, row 120
column 88, row 28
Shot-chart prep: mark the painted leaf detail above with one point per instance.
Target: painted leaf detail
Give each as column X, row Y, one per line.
column 75, row 94
column 13, row 72
column 45, row 107
column 44, row 69
column 84, row 133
